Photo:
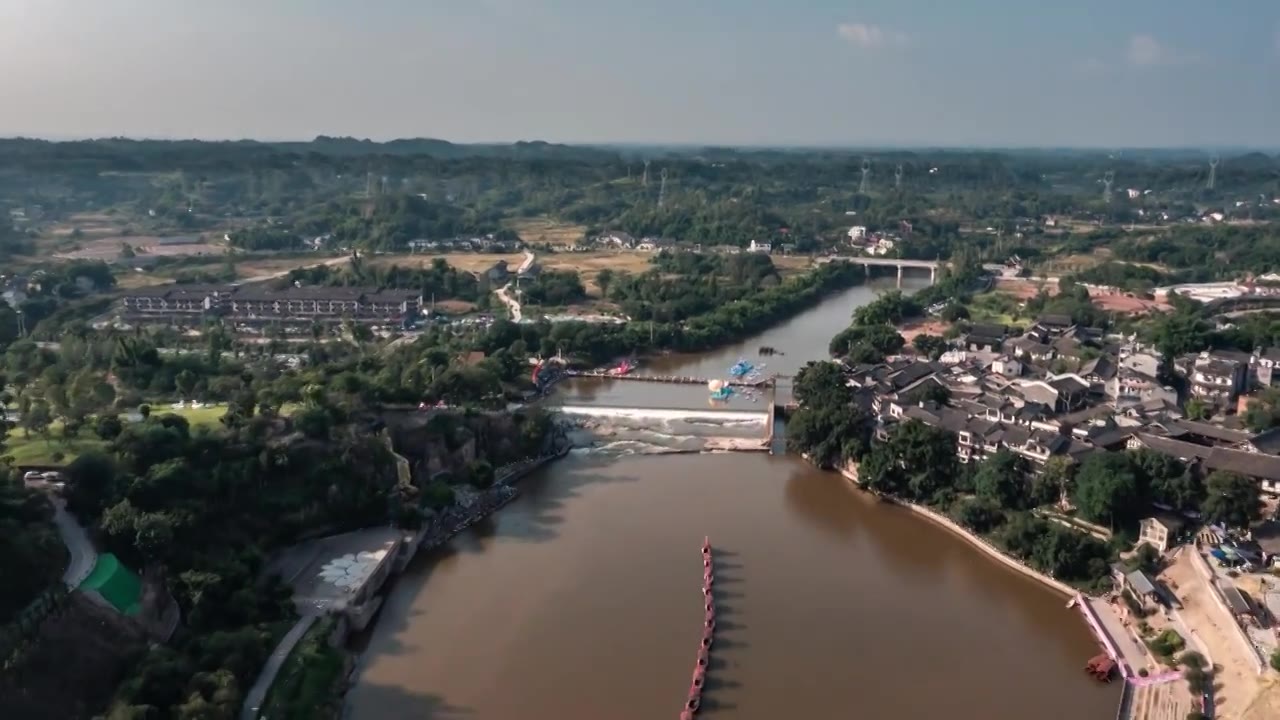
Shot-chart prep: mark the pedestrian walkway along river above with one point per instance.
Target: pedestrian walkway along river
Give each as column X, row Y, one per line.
column 574, row 602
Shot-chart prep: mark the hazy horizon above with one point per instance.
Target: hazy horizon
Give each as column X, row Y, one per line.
column 640, row 144
column 995, row 74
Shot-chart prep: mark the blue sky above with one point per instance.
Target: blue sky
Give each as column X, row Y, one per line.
column 775, row 72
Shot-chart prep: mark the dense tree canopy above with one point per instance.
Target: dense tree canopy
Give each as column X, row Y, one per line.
column 1106, row 489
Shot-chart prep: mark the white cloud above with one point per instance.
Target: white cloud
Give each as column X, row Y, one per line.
column 1146, row 51
column 870, row 36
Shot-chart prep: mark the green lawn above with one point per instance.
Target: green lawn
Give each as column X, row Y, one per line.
column 995, row 307
column 207, row 415
column 36, row 450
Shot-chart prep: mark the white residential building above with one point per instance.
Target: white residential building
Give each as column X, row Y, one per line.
column 760, row 247
column 857, row 232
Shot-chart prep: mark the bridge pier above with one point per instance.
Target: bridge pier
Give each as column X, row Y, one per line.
column 900, row 277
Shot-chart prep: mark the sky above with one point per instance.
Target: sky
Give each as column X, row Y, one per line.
column 1003, row 73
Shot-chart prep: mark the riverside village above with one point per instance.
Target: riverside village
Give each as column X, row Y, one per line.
column 1194, row 595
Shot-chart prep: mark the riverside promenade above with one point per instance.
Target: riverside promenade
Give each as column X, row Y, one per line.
column 442, row 528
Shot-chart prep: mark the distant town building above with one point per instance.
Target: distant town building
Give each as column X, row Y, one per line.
column 1216, row 378
column 760, row 247
column 258, row 305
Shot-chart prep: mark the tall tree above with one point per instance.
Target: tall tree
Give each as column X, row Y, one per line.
column 1106, row 490
column 1001, row 479
column 1230, row 499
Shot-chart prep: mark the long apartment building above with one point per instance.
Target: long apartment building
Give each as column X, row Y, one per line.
column 192, row 304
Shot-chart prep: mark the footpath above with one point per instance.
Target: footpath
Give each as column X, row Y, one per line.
column 258, row 693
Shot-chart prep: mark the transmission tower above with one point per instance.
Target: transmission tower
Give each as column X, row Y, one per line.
column 1107, row 181
column 1213, row 171
column 865, row 185
column 644, row 179
column 662, row 188
column 897, row 177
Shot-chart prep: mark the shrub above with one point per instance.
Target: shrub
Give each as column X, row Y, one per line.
column 1192, row 659
column 108, row 427
column 1167, row 643
column 1198, row 680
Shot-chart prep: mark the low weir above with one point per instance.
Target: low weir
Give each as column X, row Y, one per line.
column 760, row 416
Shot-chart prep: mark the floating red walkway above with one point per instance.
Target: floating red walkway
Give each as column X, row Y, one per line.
column 694, row 700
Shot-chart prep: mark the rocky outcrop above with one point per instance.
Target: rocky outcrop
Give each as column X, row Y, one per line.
column 437, row 441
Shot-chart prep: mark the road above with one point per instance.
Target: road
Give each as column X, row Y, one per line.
column 281, row 273
column 504, row 292
column 513, row 305
column 83, row 555
column 258, row 693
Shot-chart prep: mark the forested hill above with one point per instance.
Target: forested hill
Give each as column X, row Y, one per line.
column 940, row 168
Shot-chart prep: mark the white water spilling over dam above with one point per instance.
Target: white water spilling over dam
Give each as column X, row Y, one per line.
column 647, row 431
column 638, row 413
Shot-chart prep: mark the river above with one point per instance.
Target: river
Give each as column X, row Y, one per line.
column 581, row 600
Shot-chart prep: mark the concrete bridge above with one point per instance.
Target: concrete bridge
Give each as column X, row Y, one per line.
column 899, row 263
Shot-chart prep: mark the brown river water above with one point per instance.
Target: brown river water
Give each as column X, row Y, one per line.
column 582, row 599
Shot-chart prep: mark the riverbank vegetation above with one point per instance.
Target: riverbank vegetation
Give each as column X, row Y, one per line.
column 311, row 680
column 712, row 323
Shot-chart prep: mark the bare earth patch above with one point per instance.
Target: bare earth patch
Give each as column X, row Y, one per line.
column 454, row 307
column 1122, row 303
column 910, row 330
column 1024, row 289
column 108, row 248
column 1236, row 675
column 546, row 230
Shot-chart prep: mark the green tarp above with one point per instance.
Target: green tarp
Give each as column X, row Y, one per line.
column 116, row 583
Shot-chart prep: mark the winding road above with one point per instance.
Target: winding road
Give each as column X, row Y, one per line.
column 504, row 292
column 258, row 693
column 83, row 554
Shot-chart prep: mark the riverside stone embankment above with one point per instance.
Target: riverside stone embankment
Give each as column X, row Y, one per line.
column 995, row 553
